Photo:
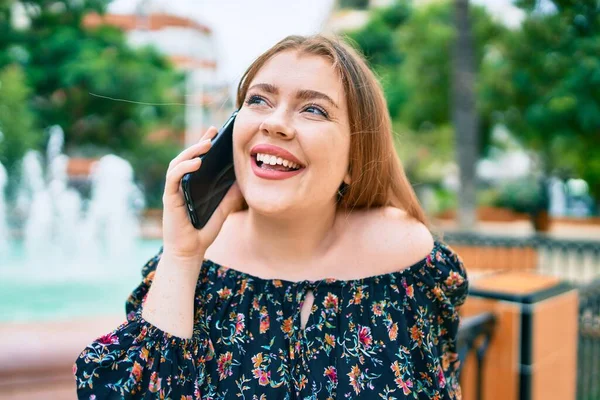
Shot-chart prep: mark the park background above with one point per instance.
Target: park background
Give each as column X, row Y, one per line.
column 495, row 108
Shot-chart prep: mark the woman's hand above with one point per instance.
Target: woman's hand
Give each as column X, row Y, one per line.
column 181, row 240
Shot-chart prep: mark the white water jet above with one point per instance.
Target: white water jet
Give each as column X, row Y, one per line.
column 112, row 216
column 62, row 229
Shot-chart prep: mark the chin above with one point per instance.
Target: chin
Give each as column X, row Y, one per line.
column 268, row 202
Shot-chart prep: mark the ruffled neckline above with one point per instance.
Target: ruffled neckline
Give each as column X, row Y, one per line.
column 220, row 269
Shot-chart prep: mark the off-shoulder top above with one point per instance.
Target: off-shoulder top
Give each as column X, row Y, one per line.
column 389, row 336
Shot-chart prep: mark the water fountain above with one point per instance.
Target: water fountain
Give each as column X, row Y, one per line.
column 80, row 248
column 63, row 226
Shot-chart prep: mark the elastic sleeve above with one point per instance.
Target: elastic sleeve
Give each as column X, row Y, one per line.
column 447, row 276
column 446, row 285
column 137, row 360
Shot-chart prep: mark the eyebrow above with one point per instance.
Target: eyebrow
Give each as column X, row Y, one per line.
column 305, row 94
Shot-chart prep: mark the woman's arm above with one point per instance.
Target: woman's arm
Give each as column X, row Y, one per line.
column 169, row 304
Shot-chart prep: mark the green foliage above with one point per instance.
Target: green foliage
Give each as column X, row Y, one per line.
column 542, row 80
column 151, row 161
column 410, row 49
column 546, row 80
column 67, row 65
column 360, row 4
column 425, row 154
column 378, row 42
column 445, row 200
column 527, row 195
column 17, row 132
column 427, row 40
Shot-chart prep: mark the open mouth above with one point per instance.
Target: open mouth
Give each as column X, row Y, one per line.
column 273, row 163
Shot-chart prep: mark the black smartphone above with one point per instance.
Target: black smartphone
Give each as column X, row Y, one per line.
column 204, row 189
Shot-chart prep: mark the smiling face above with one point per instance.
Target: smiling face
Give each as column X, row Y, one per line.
column 291, row 136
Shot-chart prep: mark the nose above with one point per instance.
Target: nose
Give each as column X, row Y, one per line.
column 278, row 124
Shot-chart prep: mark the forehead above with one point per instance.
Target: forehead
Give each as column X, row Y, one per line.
column 291, row 71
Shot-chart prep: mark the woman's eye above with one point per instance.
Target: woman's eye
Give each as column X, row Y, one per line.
column 314, row 109
column 255, row 99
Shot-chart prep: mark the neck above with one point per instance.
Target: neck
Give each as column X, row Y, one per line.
column 292, row 239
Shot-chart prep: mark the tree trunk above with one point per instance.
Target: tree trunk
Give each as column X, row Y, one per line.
column 464, row 113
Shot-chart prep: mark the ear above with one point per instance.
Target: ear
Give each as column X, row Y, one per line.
column 347, row 179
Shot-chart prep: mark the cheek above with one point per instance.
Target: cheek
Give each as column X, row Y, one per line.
column 333, row 155
column 243, row 131
column 240, row 141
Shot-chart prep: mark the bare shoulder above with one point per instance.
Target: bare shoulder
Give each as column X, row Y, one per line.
column 394, row 239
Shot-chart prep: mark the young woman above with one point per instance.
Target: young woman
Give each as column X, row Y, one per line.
column 317, row 277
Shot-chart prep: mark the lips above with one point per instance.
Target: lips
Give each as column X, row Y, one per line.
column 277, row 172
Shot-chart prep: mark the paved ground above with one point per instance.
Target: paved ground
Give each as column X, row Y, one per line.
column 36, row 358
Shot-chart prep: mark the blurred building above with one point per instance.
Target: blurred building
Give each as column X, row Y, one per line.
column 190, row 47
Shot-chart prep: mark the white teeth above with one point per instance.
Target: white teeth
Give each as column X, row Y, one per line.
column 274, row 160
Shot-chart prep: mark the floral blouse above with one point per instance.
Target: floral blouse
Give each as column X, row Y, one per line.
column 389, row 336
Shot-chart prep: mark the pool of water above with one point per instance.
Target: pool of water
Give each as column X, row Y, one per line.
column 40, row 289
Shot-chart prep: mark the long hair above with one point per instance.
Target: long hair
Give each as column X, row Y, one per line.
column 377, row 177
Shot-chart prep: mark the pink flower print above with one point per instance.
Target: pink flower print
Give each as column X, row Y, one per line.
column 364, row 336
column 154, row 385
column 239, row 325
column 404, row 385
column 331, row 373
column 224, row 365
column 264, row 378
column 441, row 378
column 109, row 338
column 408, row 289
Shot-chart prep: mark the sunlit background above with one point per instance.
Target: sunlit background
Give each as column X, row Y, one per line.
column 495, row 107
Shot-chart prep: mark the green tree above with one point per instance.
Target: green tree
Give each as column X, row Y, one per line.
column 378, row 41
column 67, row 65
column 17, row 128
column 427, row 41
column 413, row 56
column 546, row 82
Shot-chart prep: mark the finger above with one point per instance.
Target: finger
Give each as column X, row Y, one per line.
column 191, row 152
column 174, row 175
column 210, row 133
